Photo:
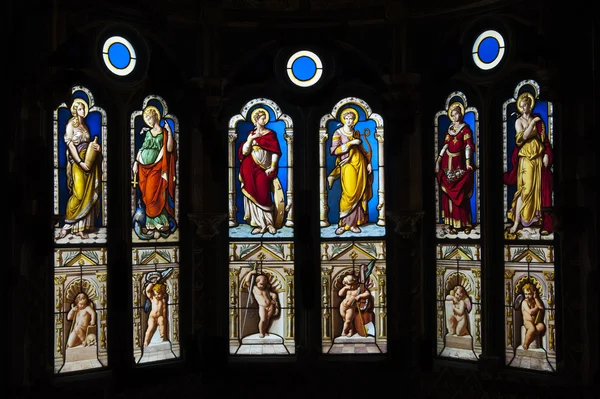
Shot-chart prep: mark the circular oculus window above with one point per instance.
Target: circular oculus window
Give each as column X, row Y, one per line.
column 119, row 55
column 304, row 68
column 488, row 49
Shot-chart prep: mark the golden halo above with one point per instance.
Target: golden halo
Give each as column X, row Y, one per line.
column 523, row 95
column 148, row 108
column 349, row 109
column 456, row 104
column 256, row 111
column 85, row 106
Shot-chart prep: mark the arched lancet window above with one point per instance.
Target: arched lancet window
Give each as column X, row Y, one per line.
column 261, row 231
column 352, row 221
column 530, row 317
column 458, row 230
column 155, row 236
column 80, row 234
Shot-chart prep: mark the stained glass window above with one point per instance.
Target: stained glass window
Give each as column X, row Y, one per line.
column 528, row 133
column 155, row 221
column 304, row 68
column 458, row 230
column 261, row 231
column 352, row 224
column 488, row 49
column 119, row 55
column 80, row 236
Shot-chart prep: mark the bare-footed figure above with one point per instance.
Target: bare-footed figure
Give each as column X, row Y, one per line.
column 266, row 300
column 348, row 311
column 84, row 315
column 83, row 172
column 354, row 171
column 531, row 170
column 461, row 306
column 157, row 294
column 259, row 157
column 533, row 310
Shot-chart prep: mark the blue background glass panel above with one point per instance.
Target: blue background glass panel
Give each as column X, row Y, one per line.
column 304, row 68
column 443, row 124
column 119, row 55
column 242, row 129
column 488, row 49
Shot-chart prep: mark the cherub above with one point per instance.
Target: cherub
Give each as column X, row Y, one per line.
column 461, row 306
column 156, row 292
column 84, row 315
column 351, row 292
column 268, row 305
column 533, row 314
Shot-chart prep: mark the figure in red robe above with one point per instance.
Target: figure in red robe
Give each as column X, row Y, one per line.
column 259, row 156
column 455, row 173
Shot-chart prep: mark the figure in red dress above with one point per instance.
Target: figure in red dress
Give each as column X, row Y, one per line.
column 455, row 172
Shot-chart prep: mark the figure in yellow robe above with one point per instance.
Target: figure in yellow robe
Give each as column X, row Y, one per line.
column 353, row 168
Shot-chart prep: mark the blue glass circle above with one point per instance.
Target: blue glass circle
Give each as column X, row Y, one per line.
column 119, row 55
column 488, row 49
column 304, row 68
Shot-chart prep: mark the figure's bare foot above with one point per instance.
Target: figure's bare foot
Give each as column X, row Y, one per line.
column 513, row 229
column 63, row 233
column 256, row 231
column 271, row 229
column 83, row 235
column 339, row 231
column 467, row 230
column 453, row 230
column 525, row 346
column 355, row 229
column 349, row 334
column 261, row 335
